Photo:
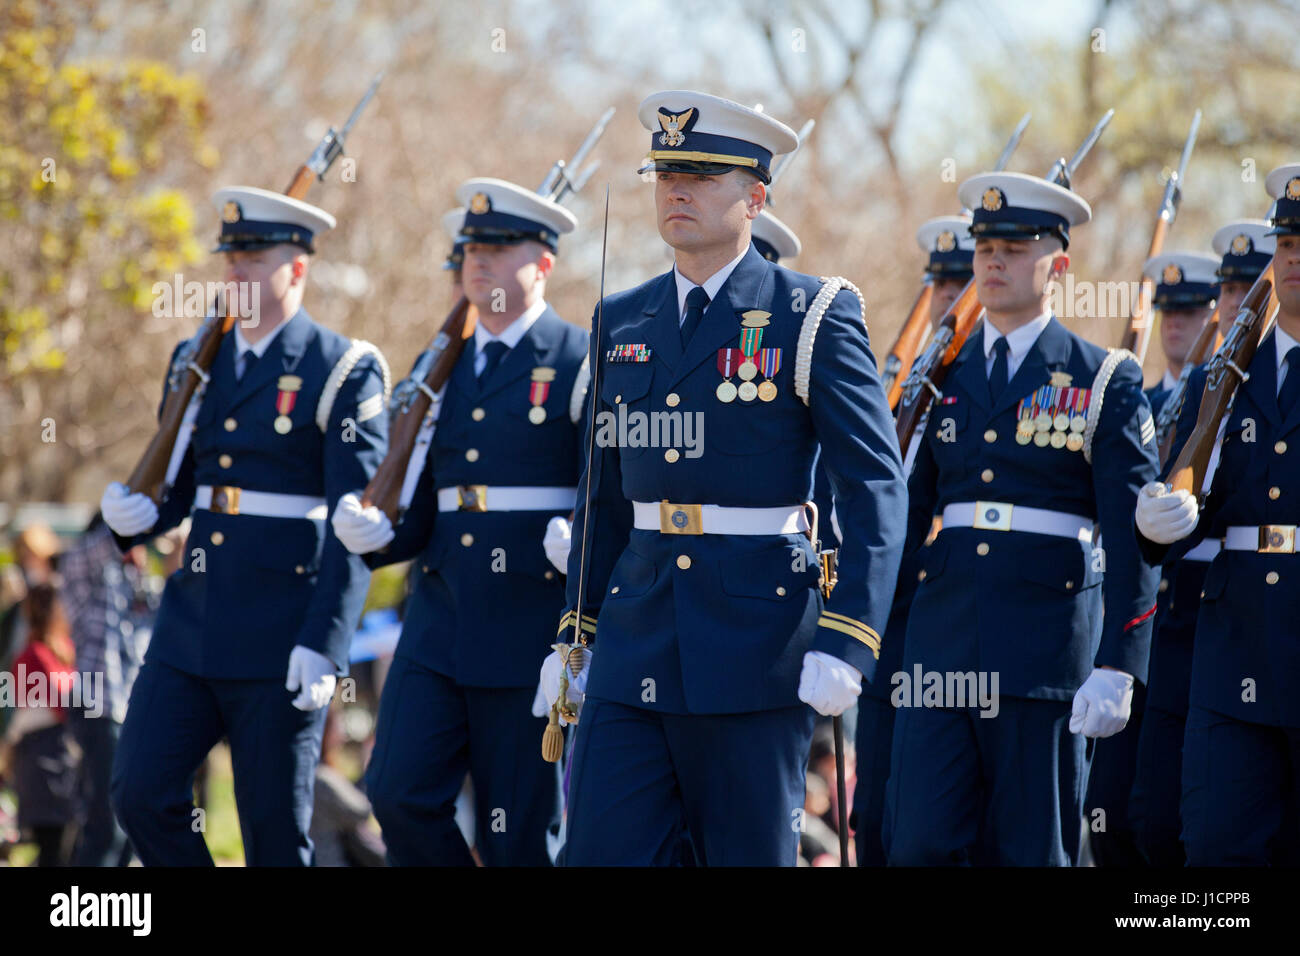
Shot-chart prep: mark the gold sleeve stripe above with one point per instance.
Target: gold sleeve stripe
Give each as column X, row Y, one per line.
column 856, row 633
column 852, row 622
column 566, row 623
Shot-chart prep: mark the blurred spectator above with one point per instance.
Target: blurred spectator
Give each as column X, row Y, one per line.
column 39, row 751
column 340, row 820
column 818, row 844
column 35, row 549
column 111, row 601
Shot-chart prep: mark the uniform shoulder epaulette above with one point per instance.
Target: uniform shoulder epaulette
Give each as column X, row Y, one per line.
column 831, row 287
column 579, row 393
column 368, row 408
column 1108, row 365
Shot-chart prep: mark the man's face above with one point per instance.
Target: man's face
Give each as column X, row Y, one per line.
column 944, row 293
column 697, row 212
column 513, row 269
column 268, row 271
column 1179, row 328
column 1011, row 275
column 1286, row 274
column 1231, row 295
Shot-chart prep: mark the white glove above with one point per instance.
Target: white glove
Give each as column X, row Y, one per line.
column 548, row 684
column 827, row 684
column 314, row 674
column 126, row 513
column 361, row 530
column 556, row 543
column 1164, row 516
column 1101, row 705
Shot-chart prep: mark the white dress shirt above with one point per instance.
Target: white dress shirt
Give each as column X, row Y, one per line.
column 511, row 336
column 1019, row 343
column 258, row 348
column 1284, row 343
column 1167, row 381
column 711, row 285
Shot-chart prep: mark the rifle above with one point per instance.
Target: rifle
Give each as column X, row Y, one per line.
column 931, row 369
column 898, row 363
column 195, row 357
column 1138, row 334
column 1234, row 356
column 418, row 392
column 1173, row 406
column 782, row 163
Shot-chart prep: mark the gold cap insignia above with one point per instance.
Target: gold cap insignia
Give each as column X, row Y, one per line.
column 1172, row 275
column 1293, row 188
column 946, row 242
column 479, row 204
column 1241, row 244
column 672, row 124
column 543, row 373
column 754, row 318
column 1060, row 379
column 992, row 200
column 230, row 212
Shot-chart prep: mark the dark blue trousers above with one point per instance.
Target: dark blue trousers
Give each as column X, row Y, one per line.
column 874, row 741
column 102, row 842
column 1112, row 834
column 1157, row 788
column 734, row 782
column 432, row 731
column 966, row 789
column 1241, row 791
column 172, row 721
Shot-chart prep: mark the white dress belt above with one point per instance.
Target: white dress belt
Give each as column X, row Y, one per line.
column 1005, row 516
column 671, row 518
column 1207, row 550
column 501, row 498
column 264, row 504
column 1266, row 539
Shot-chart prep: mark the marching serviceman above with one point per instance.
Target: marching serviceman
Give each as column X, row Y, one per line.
column 699, row 592
column 1247, row 247
column 504, row 460
column 255, row 627
column 1039, row 436
column 949, row 248
column 1241, row 751
column 1185, row 292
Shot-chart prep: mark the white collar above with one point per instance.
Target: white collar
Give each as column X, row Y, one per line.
column 1019, row 341
column 1167, row 381
column 514, row 331
column 711, row 285
column 259, row 347
column 1283, row 343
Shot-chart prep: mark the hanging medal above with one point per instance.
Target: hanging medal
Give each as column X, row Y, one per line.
column 1078, row 421
column 769, row 363
column 538, row 388
column 751, row 336
column 289, row 386
column 727, row 362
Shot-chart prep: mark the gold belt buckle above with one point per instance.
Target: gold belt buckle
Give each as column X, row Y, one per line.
column 1277, row 539
column 472, row 497
column 225, row 500
column 679, row 519
column 992, row 516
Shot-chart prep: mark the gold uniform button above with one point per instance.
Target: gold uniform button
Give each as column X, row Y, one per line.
column 1069, row 585
column 471, row 455
column 672, row 399
column 424, row 568
column 920, row 575
column 618, row 398
column 217, row 537
column 990, row 436
column 467, row 539
column 1164, row 585
column 683, row 561
column 780, row 592
column 549, row 575
column 1280, row 447
column 231, row 425
column 614, row 589
column 299, row 569
column 986, row 475
column 225, row 461
column 1275, row 492
column 671, row 455
column 1271, row 577
column 478, row 414
column 982, row 548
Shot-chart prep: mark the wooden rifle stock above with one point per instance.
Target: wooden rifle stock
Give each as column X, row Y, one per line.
column 1138, row 333
column 1224, row 375
column 903, row 352
column 930, row 370
column 408, row 411
column 302, row 181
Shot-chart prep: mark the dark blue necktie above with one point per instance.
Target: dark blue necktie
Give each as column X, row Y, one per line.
column 998, row 377
column 495, row 352
column 250, row 359
column 1290, row 391
column 697, row 300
